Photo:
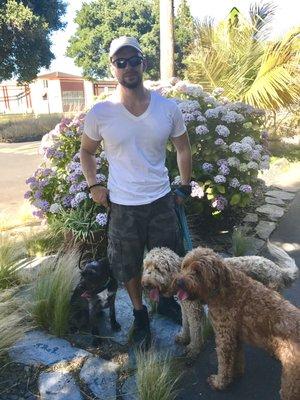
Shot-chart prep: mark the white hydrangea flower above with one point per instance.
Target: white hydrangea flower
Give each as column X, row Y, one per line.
column 256, row 155
column 232, row 116
column 248, row 140
column 212, row 113
column 264, row 165
column 188, row 117
column 218, row 91
column 236, row 147
column 201, row 119
column 55, row 208
column 201, row 130
column 197, row 191
column 189, row 106
column 222, row 130
column 252, row 165
column 246, row 147
column 210, row 100
column 233, row 161
column 243, row 167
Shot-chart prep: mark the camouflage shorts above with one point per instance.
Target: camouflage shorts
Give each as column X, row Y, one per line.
column 132, row 229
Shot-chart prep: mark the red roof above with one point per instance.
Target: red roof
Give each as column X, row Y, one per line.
column 58, row 75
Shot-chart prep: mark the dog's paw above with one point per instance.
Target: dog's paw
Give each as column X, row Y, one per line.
column 181, row 339
column 215, row 382
column 115, row 326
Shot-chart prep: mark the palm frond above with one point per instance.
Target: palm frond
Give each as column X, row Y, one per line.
column 261, row 16
column 277, row 81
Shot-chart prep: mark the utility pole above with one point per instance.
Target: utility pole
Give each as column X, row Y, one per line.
column 166, row 18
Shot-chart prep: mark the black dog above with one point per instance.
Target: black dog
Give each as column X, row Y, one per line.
column 96, row 290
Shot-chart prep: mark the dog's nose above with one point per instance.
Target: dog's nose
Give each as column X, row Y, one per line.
column 181, row 283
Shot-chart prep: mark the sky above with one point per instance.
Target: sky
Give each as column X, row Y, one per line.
column 287, row 15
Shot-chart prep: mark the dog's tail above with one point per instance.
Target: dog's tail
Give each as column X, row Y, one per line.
column 285, row 262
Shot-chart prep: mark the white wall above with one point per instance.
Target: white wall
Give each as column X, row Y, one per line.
column 53, row 103
column 88, row 94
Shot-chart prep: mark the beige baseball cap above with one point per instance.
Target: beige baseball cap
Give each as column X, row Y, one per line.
column 123, row 41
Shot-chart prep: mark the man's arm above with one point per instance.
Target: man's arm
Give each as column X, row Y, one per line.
column 184, row 157
column 89, row 167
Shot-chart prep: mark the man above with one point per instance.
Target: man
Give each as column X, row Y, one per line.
column 135, row 125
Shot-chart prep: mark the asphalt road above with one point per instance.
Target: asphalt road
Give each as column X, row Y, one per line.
column 261, row 380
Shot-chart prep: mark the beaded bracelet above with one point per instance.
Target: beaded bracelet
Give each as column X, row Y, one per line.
column 96, row 184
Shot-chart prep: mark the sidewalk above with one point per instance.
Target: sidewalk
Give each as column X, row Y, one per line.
column 18, row 161
column 262, row 373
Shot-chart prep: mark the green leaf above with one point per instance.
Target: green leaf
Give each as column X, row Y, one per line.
column 235, row 199
column 221, row 189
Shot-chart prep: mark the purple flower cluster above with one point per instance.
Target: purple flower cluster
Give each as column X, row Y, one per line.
column 245, row 188
column 202, row 130
column 220, row 179
column 219, row 142
column 101, row 219
column 224, row 169
column 222, row 130
column 207, row 167
column 234, row 183
column 220, row 202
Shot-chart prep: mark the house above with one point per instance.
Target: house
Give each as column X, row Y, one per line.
column 53, row 92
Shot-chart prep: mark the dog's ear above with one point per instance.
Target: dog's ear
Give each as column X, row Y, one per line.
column 212, row 272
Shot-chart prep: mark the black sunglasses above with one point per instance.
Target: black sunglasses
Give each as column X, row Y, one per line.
column 133, row 61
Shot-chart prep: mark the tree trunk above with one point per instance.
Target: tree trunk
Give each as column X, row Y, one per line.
column 166, row 39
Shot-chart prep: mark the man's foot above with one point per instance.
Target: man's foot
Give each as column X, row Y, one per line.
column 140, row 335
column 169, row 307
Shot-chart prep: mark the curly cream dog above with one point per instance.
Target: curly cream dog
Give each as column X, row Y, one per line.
column 161, row 266
column 242, row 310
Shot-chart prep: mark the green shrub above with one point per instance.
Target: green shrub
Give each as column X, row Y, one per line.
column 52, row 293
column 27, row 128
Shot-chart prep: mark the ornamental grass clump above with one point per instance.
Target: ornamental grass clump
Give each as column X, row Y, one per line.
column 241, row 244
column 52, row 293
column 14, row 321
column 155, row 377
column 10, row 253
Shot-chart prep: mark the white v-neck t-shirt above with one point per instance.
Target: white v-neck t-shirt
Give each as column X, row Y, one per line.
column 135, row 147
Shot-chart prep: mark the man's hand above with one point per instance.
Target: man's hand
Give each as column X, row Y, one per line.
column 100, row 195
column 179, row 200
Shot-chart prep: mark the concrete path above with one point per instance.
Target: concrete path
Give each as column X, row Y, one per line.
column 262, row 376
column 17, row 162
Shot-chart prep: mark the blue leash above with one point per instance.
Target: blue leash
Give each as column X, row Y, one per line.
column 187, row 241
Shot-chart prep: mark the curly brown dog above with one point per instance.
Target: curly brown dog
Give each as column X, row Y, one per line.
column 161, row 266
column 242, row 310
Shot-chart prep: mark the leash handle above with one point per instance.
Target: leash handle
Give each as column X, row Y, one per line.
column 88, row 232
column 187, row 241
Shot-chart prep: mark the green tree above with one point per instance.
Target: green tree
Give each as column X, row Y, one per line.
column 100, row 21
column 25, row 28
column 184, row 36
column 237, row 55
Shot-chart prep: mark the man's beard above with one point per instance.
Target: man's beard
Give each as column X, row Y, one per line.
column 131, row 85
